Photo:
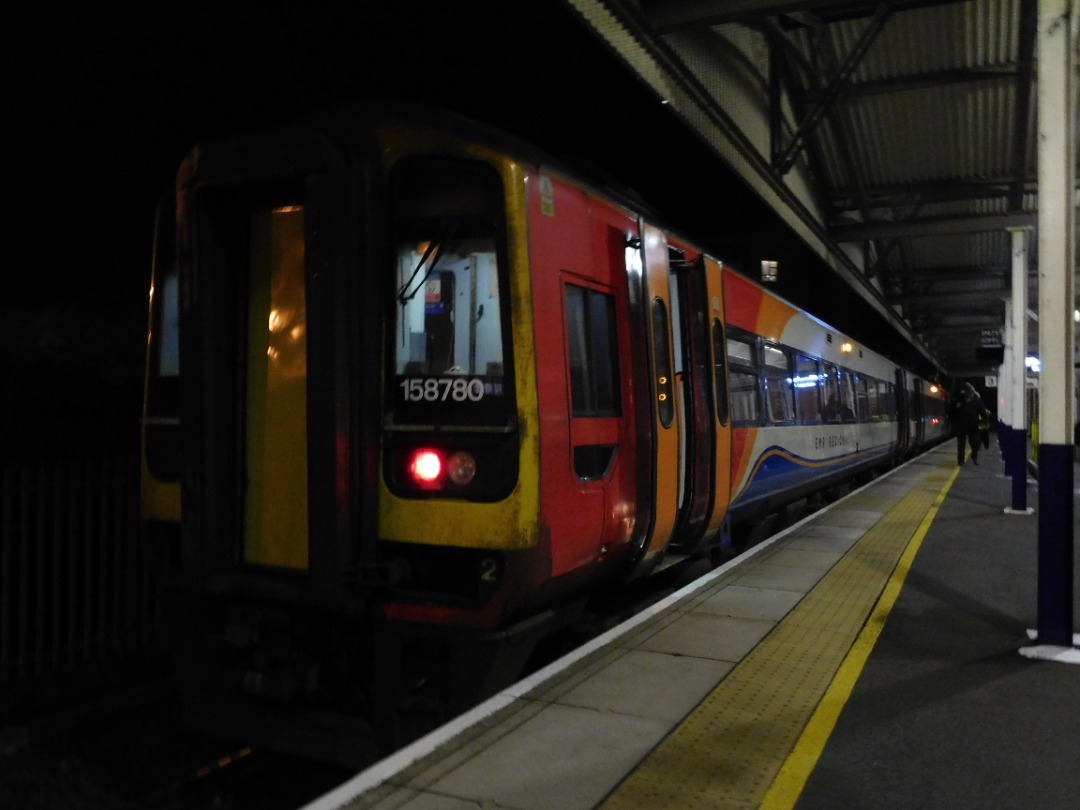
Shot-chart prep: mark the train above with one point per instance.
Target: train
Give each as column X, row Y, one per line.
column 415, row 393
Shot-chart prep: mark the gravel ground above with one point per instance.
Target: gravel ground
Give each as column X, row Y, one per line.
column 127, row 749
column 113, row 752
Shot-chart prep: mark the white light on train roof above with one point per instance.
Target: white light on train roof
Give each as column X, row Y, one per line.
column 846, row 347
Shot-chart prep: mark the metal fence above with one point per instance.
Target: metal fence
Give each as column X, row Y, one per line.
column 76, row 587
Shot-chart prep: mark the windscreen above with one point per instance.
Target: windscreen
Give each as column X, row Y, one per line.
column 449, row 359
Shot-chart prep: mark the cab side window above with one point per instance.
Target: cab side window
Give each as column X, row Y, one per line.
column 594, row 363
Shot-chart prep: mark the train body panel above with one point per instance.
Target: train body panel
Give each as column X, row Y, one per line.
column 581, row 315
column 432, row 382
column 810, row 406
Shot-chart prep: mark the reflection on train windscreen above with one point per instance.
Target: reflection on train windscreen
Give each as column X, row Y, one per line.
column 448, row 351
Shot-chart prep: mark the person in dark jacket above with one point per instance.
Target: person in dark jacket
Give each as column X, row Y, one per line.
column 968, row 410
column 984, row 429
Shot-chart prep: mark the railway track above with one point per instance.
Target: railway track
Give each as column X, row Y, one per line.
column 132, row 752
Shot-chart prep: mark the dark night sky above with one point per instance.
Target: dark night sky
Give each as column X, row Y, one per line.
column 106, row 106
column 110, row 103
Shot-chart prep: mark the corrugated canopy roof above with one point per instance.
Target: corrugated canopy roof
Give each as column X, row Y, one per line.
column 900, row 137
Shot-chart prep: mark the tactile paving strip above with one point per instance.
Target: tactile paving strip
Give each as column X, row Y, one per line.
column 729, row 750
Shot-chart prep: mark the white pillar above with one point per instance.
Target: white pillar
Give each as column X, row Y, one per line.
column 1057, row 218
column 1057, row 59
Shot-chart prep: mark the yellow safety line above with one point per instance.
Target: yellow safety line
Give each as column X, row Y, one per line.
column 790, row 781
column 730, row 751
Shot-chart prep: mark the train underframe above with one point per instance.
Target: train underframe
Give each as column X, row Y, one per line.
column 349, row 687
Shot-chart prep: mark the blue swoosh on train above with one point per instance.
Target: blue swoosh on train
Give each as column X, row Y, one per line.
column 777, row 469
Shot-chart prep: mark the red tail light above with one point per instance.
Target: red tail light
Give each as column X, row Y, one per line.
column 425, row 467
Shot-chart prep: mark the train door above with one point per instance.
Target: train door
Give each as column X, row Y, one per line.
column 666, row 418
column 690, row 344
column 903, row 414
column 721, row 483
column 699, row 396
column 276, row 370
column 918, row 410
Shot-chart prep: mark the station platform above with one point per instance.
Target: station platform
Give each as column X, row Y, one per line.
column 868, row 656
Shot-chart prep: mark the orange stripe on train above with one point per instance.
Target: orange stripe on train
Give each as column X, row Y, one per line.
column 749, row 308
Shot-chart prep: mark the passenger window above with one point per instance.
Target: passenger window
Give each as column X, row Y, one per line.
column 745, row 383
column 890, row 402
column 847, row 396
column 594, row 370
column 778, row 386
column 720, row 372
column 874, row 399
column 862, row 398
column 831, row 411
column 808, row 382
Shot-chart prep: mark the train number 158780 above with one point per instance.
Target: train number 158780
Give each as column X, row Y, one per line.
column 441, row 389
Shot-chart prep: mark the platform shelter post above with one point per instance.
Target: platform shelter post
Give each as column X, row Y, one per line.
column 1056, row 93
